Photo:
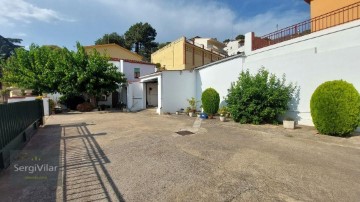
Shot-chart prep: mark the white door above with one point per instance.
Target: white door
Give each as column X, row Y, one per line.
column 152, row 94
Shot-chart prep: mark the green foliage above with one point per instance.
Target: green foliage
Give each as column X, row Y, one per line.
column 52, row 104
column 226, row 41
column 91, row 75
column 36, row 69
column 210, row 101
column 240, row 37
column 50, row 69
column 193, row 104
column 259, row 98
column 7, row 46
column 112, row 38
column 335, row 108
column 141, row 36
column 162, row 45
column 71, row 100
column 223, row 111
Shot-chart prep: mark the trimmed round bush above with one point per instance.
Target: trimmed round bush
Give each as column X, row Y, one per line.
column 335, row 108
column 210, row 101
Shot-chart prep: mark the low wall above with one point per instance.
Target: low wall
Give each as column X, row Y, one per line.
column 32, row 98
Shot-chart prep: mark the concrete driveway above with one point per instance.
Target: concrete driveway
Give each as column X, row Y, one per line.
column 138, row 157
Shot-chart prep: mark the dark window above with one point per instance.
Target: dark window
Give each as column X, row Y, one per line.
column 136, row 73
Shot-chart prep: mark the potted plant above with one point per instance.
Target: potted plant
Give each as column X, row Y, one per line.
column 289, row 123
column 192, row 107
column 222, row 118
column 187, row 110
column 223, row 113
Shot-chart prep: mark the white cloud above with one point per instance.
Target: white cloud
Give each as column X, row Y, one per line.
column 20, row 34
column 205, row 18
column 13, row 11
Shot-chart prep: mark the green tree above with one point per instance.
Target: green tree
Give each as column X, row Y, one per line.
column 7, row 46
column 90, row 74
column 141, row 36
column 112, row 38
column 34, row 69
column 240, row 37
column 226, row 41
column 49, row 69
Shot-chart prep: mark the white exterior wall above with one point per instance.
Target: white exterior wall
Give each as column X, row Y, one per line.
column 128, row 69
column 178, row 86
column 331, row 54
column 218, row 76
column 233, row 47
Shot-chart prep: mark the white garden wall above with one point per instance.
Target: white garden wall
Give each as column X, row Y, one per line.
column 219, row 76
column 176, row 88
column 309, row 61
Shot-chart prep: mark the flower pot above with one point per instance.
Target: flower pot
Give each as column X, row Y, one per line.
column 177, row 113
column 191, row 114
column 198, row 115
column 222, row 118
column 289, row 124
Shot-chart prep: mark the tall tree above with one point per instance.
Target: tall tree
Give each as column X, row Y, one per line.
column 35, row 69
column 91, row 75
column 50, row 69
column 111, row 38
column 7, row 46
column 141, row 36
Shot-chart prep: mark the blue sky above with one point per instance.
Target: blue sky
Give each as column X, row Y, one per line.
column 63, row 22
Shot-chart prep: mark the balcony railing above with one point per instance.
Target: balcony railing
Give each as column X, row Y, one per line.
column 337, row 17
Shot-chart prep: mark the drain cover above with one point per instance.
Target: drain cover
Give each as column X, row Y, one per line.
column 184, row 132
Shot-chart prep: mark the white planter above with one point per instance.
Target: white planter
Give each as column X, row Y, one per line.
column 191, row 114
column 198, row 115
column 177, row 113
column 289, row 124
column 222, row 118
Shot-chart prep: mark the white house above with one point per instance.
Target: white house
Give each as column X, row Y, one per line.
column 234, row 47
column 132, row 70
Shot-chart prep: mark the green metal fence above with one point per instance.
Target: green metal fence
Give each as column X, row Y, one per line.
column 15, row 121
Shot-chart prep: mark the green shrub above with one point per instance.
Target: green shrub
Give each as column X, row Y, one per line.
column 210, row 101
column 259, row 98
column 335, row 108
column 71, row 101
